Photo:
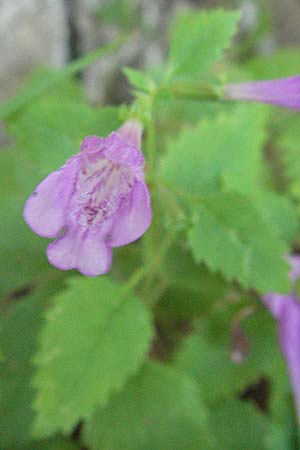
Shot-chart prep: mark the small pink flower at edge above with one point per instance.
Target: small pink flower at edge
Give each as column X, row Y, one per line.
column 97, row 200
column 284, row 92
column 286, row 310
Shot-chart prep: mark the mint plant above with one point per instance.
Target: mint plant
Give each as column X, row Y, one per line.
column 171, row 344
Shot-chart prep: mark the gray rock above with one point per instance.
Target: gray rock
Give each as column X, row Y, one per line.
column 32, row 33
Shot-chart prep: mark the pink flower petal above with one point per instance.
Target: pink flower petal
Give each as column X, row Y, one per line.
column 131, row 133
column 87, row 253
column 284, row 92
column 44, row 211
column 92, row 144
column 286, row 309
column 119, row 152
column 133, row 218
column 295, row 263
column 99, row 197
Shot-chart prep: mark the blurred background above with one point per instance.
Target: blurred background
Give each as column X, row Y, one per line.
column 53, row 32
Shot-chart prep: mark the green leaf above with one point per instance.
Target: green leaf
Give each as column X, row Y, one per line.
column 138, row 79
column 198, row 39
column 238, row 426
column 158, row 409
column 288, row 145
column 229, row 235
column 278, row 212
column 207, row 354
column 51, row 444
column 192, row 289
column 225, row 150
column 285, row 423
column 23, row 257
column 94, row 338
column 278, row 438
column 19, row 326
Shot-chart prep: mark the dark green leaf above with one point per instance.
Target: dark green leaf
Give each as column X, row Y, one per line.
column 158, row 409
column 93, row 340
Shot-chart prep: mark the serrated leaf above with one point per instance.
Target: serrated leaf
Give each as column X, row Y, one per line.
column 18, row 338
column 199, row 38
column 192, row 289
column 158, row 409
column 93, row 340
column 278, row 212
column 138, row 79
column 229, row 235
column 207, row 354
column 225, row 150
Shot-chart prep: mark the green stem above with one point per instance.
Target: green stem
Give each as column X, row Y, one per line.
column 149, row 269
column 150, row 155
column 188, row 91
column 150, row 147
column 149, row 293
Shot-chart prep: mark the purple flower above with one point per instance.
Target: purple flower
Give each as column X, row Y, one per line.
column 283, row 92
column 96, row 201
column 286, row 309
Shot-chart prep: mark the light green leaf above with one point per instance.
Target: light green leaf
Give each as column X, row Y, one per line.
column 94, row 338
column 199, row 38
column 158, row 409
column 19, row 326
column 278, row 212
column 225, row 150
column 229, row 235
column 138, row 79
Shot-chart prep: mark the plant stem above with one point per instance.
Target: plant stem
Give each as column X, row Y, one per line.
column 149, row 269
column 188, row 91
